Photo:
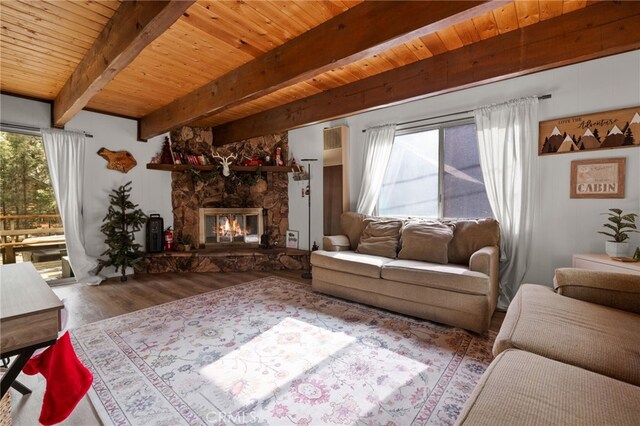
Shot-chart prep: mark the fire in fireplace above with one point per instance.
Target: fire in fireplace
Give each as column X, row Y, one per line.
column 242, row 226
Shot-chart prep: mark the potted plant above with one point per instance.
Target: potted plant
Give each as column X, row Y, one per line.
column 619, row 226
column 185, row 243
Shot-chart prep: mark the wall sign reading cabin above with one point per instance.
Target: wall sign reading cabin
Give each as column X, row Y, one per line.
column 598, row 178
column 604, row 130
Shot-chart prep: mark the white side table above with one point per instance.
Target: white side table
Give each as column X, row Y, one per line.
column 602, row 262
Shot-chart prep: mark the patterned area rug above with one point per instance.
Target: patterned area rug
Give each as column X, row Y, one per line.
column 271, row 352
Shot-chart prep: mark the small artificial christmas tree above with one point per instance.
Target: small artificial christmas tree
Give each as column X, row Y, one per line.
column 120, row 224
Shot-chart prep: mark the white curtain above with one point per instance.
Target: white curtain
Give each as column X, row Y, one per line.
column 65, row 158
column 508, row 143
column 377, row 151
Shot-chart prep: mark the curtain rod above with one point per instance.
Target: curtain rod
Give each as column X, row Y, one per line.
column 29, row 129
column 541, row 98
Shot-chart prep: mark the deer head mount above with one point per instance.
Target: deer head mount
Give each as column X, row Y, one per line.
column 225, row 162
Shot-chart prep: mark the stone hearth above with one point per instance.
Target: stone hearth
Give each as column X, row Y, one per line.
column 233, row 260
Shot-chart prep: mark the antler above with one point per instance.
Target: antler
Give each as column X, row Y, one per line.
column 225, row 161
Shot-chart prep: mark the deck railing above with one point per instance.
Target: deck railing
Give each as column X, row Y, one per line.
column 44, row 232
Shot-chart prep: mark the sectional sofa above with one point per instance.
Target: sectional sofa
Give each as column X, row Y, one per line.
column 569, row 357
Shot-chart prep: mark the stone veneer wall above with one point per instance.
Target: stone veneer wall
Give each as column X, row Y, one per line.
column 189, row 194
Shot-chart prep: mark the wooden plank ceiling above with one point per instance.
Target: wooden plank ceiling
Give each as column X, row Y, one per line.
column 174, row 75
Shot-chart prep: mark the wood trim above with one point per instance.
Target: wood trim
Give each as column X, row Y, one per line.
column 360, row 32
column 30, row 216
column 599, row 30
column 134, row 25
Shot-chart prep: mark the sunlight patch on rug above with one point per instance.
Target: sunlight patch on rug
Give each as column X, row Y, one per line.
column 272, row 352
column 271, row 360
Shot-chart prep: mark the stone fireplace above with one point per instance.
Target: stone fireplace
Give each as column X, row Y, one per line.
column 238, row 227
column 241, row 191
column 214, row 209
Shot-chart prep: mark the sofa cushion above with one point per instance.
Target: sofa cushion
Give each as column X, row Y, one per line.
column 470, row 236
column 349, row 261
column 335, row 243
column 352, row 225
column 447, row 277
column 426, row 241
column 597, row 338
column 469, row 311
column 380, row 238
column 521, row 388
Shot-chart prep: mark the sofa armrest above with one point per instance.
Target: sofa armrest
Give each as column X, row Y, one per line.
column 620, row 291
column 487, row 261
column 335, row 243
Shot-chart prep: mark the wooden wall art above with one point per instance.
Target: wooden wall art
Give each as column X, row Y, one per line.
column 604, row 130
column 598, row 178
column 121, row 161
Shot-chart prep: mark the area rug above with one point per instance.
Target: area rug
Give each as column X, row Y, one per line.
column 271, row 352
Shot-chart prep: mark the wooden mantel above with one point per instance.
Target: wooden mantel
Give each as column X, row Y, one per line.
column 208, row 168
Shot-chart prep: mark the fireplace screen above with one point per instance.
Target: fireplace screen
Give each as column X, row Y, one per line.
column 230, row 226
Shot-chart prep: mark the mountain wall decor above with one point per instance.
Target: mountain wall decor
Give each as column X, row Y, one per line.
column 603, row 130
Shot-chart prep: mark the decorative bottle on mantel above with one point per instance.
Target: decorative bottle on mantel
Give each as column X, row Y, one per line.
column 278, row 159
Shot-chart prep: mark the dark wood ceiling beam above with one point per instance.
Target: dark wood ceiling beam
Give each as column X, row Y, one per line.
column 366, row 29
column 134, row 25
column 599, row 30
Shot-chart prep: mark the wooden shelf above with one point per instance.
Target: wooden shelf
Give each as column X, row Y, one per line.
column 185, row 167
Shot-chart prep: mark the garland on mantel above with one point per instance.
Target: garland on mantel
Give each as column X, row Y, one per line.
column 207, row 178
column 241, row 178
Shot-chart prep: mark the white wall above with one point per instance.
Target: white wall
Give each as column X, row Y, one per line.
column 15, row 110
column 308, row 144
column 151, row 189
column 562, row 226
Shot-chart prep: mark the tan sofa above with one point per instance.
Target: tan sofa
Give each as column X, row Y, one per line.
column 569, row 357
column 461, row 292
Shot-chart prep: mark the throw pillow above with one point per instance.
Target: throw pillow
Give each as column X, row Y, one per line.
column 428, row 242
column 470, row 236
column 352, row 225
column 380, row 238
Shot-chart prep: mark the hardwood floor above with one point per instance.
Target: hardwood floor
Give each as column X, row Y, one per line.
column 88, row 304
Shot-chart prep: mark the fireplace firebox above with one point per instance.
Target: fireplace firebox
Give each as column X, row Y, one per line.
column 230, row 226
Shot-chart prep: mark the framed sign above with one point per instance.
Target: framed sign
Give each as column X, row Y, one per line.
column 292, row 239
column 599, row 178
column 604, row 130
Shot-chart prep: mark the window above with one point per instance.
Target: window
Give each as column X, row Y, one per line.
column 435, row 172
column 30, row 226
